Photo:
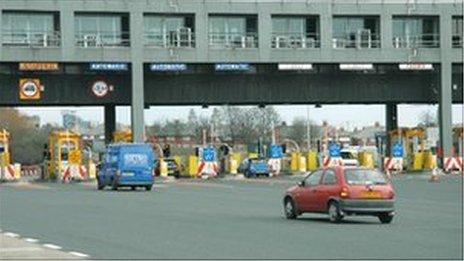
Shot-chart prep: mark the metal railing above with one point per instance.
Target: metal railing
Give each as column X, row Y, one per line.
column 360, row 40
column 417, row 41
column 295, row 40
column 181, row 38
column 233, row 40
column 457, row 41
column 92, row 39
column 37, row 39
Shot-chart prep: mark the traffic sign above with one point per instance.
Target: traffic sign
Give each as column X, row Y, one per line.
column 209, row 154
column 397, row 150
column 334, row 150
column 275, row 152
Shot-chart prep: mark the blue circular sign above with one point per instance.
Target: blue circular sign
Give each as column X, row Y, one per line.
column 209, row 154
column 397, row 150
column 334, row 150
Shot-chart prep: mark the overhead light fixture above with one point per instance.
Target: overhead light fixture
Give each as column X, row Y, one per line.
column 318, row 105
column 261, row 105
column 356, row 66
column 295, row 66
column 415, row 66
column 204, row 106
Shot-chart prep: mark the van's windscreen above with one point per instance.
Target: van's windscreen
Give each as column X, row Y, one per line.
column 136, row 160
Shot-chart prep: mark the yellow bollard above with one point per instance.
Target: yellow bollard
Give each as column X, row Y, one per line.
column 430, row 160
column 294, row 161
column 163, row 168
column 312, row 160
column 193, row 165
column 418, row 160
column 17, row 169
column 302, row 164
column 233, row 165
column 368, row 160
column 252, row 155
column 92, row 170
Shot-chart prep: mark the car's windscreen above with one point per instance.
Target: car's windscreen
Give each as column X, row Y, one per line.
column 363, row 177
column 136, row 160
column 347, row 155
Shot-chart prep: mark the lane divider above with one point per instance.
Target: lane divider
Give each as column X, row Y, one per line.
column 78, row 254
column 48, row 245
column 52, row 246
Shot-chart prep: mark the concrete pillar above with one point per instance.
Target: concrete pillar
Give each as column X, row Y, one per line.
column 110, row 122
column 201, row 33
column 326, row 27
column 137, row 103
column 444, row 108
column 264, row 35
column 386, row 36
column 445, row 97
column 67, row 32
column 1, row 34
column 391, row 123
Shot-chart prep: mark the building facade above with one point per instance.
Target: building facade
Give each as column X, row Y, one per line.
column 144, row 43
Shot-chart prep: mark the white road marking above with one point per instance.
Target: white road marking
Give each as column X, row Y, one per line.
column 31, row 240
column 78, row 254
column 52, row 246
column 10, row 234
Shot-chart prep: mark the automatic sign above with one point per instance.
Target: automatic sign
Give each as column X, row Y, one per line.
column 397, row 150
column 334, row 150
column 209, row 154
column 275, row 152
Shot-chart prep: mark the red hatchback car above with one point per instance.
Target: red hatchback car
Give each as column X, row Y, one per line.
column 341, row 192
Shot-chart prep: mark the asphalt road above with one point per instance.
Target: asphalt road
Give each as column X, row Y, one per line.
column 231, row 219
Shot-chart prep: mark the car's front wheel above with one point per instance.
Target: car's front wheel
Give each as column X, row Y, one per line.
column 334, row 212
column 385, row 218
column 289, row 209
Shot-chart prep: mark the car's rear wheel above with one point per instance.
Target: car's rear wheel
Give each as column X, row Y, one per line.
column 385, row 218
column 334, row 212
column 289, row 209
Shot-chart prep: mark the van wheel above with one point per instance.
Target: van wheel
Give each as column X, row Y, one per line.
column 289, row 208
column 114, row 185
column 385, row 218
column 99, row 185
column 133, row 187
column 149, row 187
column 334, row 212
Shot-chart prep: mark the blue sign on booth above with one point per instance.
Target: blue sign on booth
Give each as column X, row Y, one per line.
column 275, row 152
column 334, row 150
column 397, row 150
column 209, row 154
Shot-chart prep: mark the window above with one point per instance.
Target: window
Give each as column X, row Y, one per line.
column 314, row 178
column 233, row 31
column 169, row 31
column 363, row 177
column 96, row 30
column 329, row 177
column 356, row 32
column 415, row 32
column 295, row 32
column 30, row 29
column 457, row 32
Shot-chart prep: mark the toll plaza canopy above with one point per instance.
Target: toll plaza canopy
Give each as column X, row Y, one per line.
column 174, row 52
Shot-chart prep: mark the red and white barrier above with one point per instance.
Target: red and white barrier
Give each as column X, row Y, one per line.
column 73, row 172
column 8, row 173
column 209, row 168
column 393, row 163
column 453, row 163
column 275, row 166
column 332, row 162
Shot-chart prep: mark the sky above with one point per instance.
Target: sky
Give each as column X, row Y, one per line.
column 348, row 116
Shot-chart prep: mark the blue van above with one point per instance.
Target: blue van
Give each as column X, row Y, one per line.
column 127, row 165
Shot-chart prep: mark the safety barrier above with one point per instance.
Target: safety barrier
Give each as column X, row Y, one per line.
column 393, row 164
column 209, row 168
column 332, row 162
column 453, row 163
column 10, row 172
column 73, row 172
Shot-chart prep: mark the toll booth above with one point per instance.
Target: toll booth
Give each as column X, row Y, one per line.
column 413, row 142
column 63, row 160
column 8, row 171
column 122, row 136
